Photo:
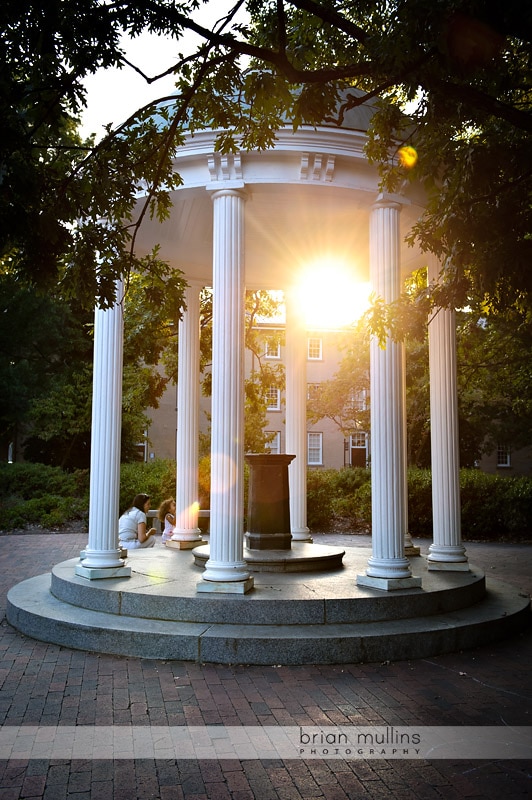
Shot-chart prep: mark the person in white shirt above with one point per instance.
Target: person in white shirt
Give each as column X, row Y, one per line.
column 132, row 527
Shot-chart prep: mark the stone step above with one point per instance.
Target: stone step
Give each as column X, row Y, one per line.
column 162, row 586
column 35, row 611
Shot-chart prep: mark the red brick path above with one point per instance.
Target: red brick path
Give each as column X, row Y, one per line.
column 43, row 684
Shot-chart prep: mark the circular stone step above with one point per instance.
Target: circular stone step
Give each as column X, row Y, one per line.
column 34, row 611
column 163, row 586
column 303, row 557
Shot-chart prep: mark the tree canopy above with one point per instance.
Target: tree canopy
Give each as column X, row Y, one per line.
column 461, row 68
column 450, row 80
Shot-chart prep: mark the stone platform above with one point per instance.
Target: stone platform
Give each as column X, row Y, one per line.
column 302, row 557
column 303, row 618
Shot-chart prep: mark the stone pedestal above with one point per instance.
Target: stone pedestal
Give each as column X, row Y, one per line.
column 268, row 525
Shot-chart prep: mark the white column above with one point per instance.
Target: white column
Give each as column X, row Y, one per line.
column 410, row 548
column 388, row 568
column 226, row 568
column 446, row 552
column 186, row 531
column 296, row 416
column 102, row 554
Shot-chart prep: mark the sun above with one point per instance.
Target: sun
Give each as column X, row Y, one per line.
column 330, row 297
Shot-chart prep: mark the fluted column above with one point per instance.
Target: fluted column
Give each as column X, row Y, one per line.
column 410, row 548
column 388, row 568
column 446, row 552
column 186, row 531
column 296, row 416
column 226, row 564
column 102, row 554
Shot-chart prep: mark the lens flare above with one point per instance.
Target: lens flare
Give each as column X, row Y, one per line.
column 407, row 156
column 330, row 297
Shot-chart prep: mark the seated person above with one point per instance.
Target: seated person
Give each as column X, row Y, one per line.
column 132, row 531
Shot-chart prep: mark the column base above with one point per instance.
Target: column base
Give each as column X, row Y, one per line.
column 447, row 566
column 410, row 548
column 122, row 553
column 301, row 535
column 388, row 584
column 226, row 587
column 184, row 544
column 447, row 558
column 95, row 573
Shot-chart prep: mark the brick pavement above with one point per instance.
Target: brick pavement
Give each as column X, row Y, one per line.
column 43, row 684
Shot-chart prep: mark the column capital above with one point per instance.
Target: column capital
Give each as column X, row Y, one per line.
column 389, row 200
column 227, row 189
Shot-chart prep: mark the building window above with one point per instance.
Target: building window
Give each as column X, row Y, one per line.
column 272, row 348
column 315, row 447
column 358, row 440
column 314, row 349
column 313, row 391
column 274, row 447
column 358, row 400
column 273, row 399
column 359, row 454
column 503, row 456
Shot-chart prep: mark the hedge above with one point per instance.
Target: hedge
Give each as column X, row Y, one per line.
column 493, row 508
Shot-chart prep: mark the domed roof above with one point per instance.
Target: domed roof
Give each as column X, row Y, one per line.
column 356, row 118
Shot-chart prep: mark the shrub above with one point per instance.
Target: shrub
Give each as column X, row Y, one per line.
column 493, row 507
column 42, row 495
column 420, row 502
column 320, row 491
column 352, row 496
column 156, row 478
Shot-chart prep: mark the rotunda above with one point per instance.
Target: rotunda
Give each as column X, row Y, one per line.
column 252, row 220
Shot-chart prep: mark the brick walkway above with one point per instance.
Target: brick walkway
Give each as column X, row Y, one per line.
column 44, row 685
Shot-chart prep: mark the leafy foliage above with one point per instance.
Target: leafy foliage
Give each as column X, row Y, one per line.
column 493, row 508
column 41, row 495
column 46, row 367
column 337, row 399
column 461, row 69
column 155, row 478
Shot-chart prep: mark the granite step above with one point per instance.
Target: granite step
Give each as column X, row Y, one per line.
column 35, row 611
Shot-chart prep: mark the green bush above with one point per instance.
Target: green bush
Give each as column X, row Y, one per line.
column 420, row 502
column 41, row 495
column 352, row 496
column 493, row 508
column 320, row 495
column 156, row 478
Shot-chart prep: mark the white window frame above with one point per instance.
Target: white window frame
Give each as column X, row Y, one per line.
column 274, row 446
column 272, row 349
column 313, row 390
column 271, row 404
column 311, row 346
column 358, row 400
column 504, row 456
column 359, row 440
column 314, row 450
